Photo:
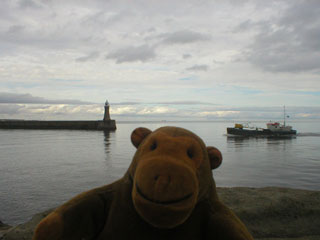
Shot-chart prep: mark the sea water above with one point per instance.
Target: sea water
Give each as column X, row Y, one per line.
column 41, row 169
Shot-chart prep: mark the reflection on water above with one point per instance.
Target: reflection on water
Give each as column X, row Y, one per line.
column 107, row 141
column 259, row 162
column 271, row 142
column 107, row 149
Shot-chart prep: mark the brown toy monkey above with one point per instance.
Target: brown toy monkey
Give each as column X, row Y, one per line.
column 168, row 192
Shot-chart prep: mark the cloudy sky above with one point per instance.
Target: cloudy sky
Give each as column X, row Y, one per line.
column 173, row 60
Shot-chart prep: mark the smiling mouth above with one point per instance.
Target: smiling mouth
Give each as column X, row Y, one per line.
column 162, row 202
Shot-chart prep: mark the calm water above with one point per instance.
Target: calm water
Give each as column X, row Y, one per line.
column 40, row 169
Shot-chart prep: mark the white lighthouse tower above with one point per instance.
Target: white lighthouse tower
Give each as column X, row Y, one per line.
column 106, row 111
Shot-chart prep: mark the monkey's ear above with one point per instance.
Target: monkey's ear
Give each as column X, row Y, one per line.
column 138, row 135
column 215, row 157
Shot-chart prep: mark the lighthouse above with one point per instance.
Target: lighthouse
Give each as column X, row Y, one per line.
column 106, row 111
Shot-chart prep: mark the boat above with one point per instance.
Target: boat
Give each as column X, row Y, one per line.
column 274, row 129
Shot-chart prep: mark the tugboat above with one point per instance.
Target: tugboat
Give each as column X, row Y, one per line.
column 274, row 129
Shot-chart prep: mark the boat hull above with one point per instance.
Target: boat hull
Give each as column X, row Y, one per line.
column 259, row 132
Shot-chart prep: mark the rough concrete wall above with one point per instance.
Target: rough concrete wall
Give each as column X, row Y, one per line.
column 85, row 125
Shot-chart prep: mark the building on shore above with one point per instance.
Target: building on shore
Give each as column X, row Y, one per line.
column 106, row 124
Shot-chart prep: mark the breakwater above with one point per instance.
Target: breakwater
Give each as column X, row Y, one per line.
column 80, row 125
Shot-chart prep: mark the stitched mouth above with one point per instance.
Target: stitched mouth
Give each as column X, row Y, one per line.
column 162, row 202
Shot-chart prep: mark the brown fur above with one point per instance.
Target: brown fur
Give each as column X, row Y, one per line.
column 51, row 228
column 168, row 192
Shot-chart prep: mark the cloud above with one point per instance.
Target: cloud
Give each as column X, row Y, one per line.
column 124, row 110
column 49, row 25
column 90, row 56
column 182, row 102
column 257, row 113
column 289, row 43
column 219, row 114
column 126, row 103
column 223, row 52
column 9, row 109
column 29, row 4
column 158, row 110
column 186, row 56
column 188, row 78
column 155, row 112
column 29, row 99
column 202, row 67
column 305, row 93
column 214, row 112
column 131, row 54
column 184, row 37
column 51, row 111
column 103, row 18
column 244, row 26
column 185, row 103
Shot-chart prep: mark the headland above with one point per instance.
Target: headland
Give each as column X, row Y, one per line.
column 106, row 124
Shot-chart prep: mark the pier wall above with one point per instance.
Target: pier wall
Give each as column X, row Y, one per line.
column 33, row 124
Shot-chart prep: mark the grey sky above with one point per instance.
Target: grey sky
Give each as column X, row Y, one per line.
column 62, row 55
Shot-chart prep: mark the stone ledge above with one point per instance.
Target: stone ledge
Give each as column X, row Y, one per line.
column 269, row 213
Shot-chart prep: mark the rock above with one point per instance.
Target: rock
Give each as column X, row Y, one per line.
column 24, row 231
column 269, row 213
column 276, row 213
column 3, row 228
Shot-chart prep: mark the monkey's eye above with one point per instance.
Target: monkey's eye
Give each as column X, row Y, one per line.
column 190, row 153
column 153, row 146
